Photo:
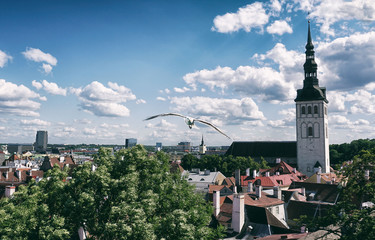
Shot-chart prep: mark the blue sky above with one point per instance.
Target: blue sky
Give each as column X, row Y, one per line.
column 91, row 71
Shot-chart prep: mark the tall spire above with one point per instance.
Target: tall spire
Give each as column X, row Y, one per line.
column 311, row 89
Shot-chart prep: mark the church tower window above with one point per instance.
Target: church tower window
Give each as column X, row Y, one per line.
column 315, row 109
column 309, row 110
column 303, row 110
column 310, row 132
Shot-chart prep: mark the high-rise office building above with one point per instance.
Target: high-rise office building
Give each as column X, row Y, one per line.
column 41, row 141
column 130, row 142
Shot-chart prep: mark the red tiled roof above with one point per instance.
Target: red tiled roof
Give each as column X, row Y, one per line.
column 229, row 181
column 264, row 201
column 275, row 180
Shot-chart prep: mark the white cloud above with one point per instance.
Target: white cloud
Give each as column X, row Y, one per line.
column 348, row 62
column 104, row 101
column 329, row 12
column 18, row 100
column 276, row 6
column 161, row 99
column 47, row 68
column 181, row 90
column 362, row 102
column 232, row 110
column 36, row 55
column 49, row 87
column 89, row 131
column 249, row 80
column 140, row 101
column 4, row 58
column 246, row 18
column 35, row 122
column 279, row 28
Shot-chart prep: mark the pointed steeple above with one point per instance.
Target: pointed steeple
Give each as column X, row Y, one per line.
column 311, row 89
column 202, row 143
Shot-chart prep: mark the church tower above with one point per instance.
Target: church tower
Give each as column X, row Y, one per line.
column 312, row 119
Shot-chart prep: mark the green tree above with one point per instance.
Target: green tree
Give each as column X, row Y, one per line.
column 128, row 196
column 348, row 219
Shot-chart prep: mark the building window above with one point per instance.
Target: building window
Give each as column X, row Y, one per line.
column 277, row 210
column 303, row 110
column 315, row 109
column 310, row 132
column 309, row 110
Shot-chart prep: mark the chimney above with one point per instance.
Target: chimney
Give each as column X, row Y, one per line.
column 62, row 159
column 277, row 192
column 6, row 175
column 258, row 191
column 278, row 173
column 303, row 191
column 19, row 175
column 9, row 190
column 254, row 173
column 249, row 186
column 278, row 160
column 237, row 176
column 294, row 170
column 267, row 174
column 367, row 174
column 234, row 189
column 81, row 233
column 318, row 178
column 238, row 212
column 93, row 168
column 247, row 171
column 216, row 202
column 207, row 172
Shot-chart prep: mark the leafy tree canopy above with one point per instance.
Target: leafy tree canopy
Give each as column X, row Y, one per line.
column 225, row 164
column 128, row 196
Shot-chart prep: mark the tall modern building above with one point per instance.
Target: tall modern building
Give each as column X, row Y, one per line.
column 312, row 119
column 41, row 141
column 130, row 142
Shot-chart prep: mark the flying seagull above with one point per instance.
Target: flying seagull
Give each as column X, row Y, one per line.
column 189, row 121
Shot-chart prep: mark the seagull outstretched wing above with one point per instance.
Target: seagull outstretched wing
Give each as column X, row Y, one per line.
column 165, row 114
column 213, row 126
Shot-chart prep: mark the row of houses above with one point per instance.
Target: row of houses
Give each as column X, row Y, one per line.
column 267, row 202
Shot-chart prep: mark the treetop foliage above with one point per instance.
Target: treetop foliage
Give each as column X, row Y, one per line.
column 225, row 164
column 129, row 196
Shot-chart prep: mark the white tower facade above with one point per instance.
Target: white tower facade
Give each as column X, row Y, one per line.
column 312, row 119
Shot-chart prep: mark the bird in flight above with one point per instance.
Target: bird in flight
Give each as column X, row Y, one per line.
column 189, row 121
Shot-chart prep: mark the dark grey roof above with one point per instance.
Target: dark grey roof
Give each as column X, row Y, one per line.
column 263, row 149
column 311, row 93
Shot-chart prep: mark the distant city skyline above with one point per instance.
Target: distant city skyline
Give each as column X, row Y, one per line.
column 91, row 71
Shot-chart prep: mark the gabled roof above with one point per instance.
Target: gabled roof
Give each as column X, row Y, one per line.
column 323, row 192
column 261, row 215
column 229, row 181
column 265, row 200
column 263, row 149
column 283, row 168
column 273, row 181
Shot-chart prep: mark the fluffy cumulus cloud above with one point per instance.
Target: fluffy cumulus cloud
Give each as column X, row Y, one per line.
column 246, row 18
column 18, row 100
column 49, row 87
column 329, row 12
column 248, row 80
column 348, row 62
column 233, row 111
column 104, row 101
column 279, row 28
column 4, row 58
column 37, row 55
